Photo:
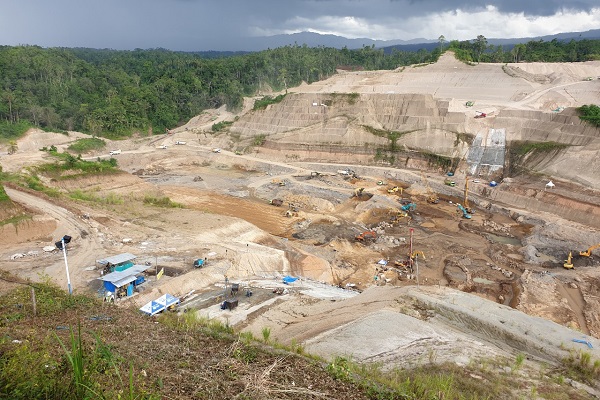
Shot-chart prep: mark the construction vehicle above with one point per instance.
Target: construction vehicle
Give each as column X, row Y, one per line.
column 395, row 189
column 480, row 114
column 415, row 254
column 276, row 202
column 409, row 207
column 569, row 262
column 432, row 197
column 463, row 211
column 279, row 182
column 588, row 252
column 366, row 236
column 358, row 192
column 466, row 200
column 449, row 182
column 199, row 263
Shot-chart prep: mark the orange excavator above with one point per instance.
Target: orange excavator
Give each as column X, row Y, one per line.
column 366, row 235
column 588, row 252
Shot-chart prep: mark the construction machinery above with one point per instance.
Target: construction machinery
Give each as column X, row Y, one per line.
column 409, row 207
column 395, row 189
column 432, row 197
column 279, row 182
column 358, row 192
column 415, row 254
column 366, row 236
column 588, row 252
column 449, row 182
column 276, row 202
column 569, row 262
column 463, row 211
column 466, row 200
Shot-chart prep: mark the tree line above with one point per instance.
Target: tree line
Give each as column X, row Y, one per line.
column 478, row 50
column 115, row 93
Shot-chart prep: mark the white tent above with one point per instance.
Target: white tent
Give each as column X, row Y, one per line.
column 550, row 184
column 160, row 304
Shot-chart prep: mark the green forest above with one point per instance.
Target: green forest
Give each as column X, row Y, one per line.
column 115, row 93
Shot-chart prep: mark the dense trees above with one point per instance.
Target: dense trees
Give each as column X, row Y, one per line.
column 108, row 92
column 112, row 93
column 533, row 51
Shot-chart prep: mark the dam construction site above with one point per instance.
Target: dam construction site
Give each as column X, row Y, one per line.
column 435, row 214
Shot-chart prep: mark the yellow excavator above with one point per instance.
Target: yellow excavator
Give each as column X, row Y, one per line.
column 417, row 253
column 432, row 197
column 588, row 252
column 569, row 262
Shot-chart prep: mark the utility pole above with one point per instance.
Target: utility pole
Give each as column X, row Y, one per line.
column 62, row 245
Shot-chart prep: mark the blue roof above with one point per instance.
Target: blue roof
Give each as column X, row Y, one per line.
column 120, row 278
column 118, row 259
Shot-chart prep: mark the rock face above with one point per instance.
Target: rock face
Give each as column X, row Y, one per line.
column 396, row 116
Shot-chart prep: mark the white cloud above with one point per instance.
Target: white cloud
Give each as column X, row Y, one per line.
column 457, row 24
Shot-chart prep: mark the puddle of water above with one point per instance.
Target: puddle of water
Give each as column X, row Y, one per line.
column 483, row 280
column 503, row 239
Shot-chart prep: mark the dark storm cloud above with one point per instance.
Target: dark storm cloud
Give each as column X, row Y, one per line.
column 225, row 24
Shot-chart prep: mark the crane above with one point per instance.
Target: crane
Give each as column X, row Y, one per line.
column 466, row 201
column 588, row 252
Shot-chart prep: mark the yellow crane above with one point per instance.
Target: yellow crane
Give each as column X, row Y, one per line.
column 588, row 252
column 466, row 200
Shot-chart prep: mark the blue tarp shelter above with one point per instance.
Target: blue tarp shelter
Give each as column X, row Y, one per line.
column 289, row 279
column 118, row 263
column 119, row 279
column 162, row 303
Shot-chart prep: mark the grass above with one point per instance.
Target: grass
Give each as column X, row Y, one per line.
column 161, row 202
column 70, row 167
column 16, row 219
column 523, row 148
column 220, row 126
column 61, row 355
column 109, row 199
column 262, row 104
column 86, row 145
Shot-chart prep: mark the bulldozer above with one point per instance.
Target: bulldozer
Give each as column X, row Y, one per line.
column 588, row 252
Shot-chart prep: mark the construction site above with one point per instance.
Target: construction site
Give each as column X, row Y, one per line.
column 461, row 202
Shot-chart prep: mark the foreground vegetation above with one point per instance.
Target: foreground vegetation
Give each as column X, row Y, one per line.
column 76, row 347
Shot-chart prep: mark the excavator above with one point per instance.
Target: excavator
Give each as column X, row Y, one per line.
column 464, row 211
column 409, row 207
column 588, row 252
column 569, row 262
column 358, row 192
column 366, row 235
column 395, row 189
column 432, row 197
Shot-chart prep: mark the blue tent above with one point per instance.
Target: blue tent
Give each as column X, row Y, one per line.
column 289, row 279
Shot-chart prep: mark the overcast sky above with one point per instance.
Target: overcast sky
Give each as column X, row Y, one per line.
column 191, row 25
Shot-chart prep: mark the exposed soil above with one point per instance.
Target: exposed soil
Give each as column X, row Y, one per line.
column 507, row 252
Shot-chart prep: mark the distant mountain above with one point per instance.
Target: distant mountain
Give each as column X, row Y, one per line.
column 312, row 39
